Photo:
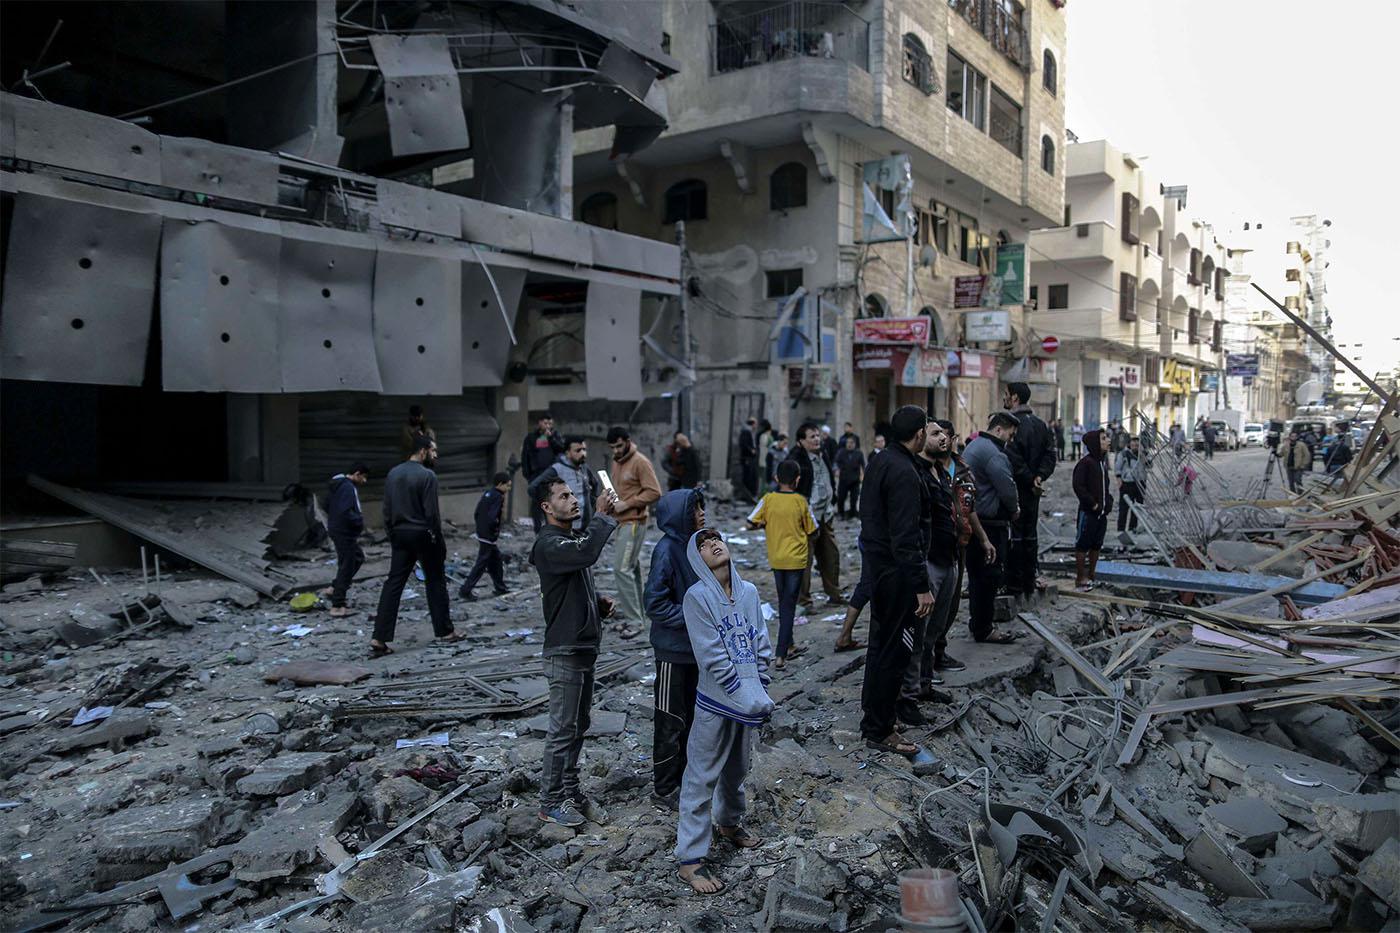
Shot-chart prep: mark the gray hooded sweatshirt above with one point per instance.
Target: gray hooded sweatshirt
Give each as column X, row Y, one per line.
column 730, row 641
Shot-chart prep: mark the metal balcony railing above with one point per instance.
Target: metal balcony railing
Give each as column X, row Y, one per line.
column 1003, row 24
column 798, row 29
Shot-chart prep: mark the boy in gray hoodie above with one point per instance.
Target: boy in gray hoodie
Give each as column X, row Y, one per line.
column 724, row 619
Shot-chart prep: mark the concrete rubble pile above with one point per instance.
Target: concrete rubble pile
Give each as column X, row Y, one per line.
column 1155, row 753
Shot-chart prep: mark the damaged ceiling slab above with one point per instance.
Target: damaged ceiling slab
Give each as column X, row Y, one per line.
column 422, row 94
column 418, row 322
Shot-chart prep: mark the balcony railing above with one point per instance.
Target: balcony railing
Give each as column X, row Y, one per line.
column 798, row 29
column 1002, row 22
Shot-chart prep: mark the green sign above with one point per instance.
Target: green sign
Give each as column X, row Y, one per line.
column 1011, row 274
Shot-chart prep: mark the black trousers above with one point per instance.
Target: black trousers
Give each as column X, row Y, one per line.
column 674, row 702
column 349, row 558
column 893, row 600
column 488, row 560
column 983, row 581
column 748, row 476
column 410, row 547
column 1127, row 518
column 847, row 489
column 1024, row 558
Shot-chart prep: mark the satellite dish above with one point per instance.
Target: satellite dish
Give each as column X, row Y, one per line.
column 928, row 256
column 1310, row 391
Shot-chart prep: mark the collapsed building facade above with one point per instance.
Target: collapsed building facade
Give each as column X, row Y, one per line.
column 240, row 256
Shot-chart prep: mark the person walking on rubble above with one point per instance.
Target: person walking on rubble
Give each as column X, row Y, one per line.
column 724, row 620
column 894, row 512
column 817, row 485
column 345, row 522
column 789, row 526
column 634, row 480
column 489, row 511
column 997, row 507
column 416, row 427
column 679, row 515
column 538, row 452
column 1032, row 455
column 1091, row 488
column 573, row 614
column 414, row 524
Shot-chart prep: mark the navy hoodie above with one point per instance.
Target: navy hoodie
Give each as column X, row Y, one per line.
column 343, row 515
column 670, row 576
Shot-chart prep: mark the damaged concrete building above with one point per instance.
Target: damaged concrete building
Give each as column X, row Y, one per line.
column 240, row 256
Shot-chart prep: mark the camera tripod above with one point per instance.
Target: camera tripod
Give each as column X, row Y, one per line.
column 1274, row 458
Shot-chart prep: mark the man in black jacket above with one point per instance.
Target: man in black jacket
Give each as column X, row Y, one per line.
column 414, row 524
column 895, row 518
column 817, row 485
column 345, row 523
column 850, row 466
column 748, row 460
column 488, row 533
column 538, row 452
column 573, row 628
column 1032, row 456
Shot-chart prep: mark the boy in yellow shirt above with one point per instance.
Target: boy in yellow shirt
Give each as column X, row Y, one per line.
column 789, row 521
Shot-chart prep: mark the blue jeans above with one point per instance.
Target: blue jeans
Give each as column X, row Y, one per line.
column 789, row 583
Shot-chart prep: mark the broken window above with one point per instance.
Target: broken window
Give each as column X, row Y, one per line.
column 779, row 283
column 918, row 64
column 599, row 210
column 686, row 200
column 1127, row 296
column 1058, row 296
column 967, row 91
column 787, row 187
column 1006, row 121
column 1129, row 226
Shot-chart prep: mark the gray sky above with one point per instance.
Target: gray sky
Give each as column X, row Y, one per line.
column 1265, row 109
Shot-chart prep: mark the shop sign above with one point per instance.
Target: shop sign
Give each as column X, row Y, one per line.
column 1129, row 376
column 894, row 330
column 967, row 291
column 974, row 365
column 924, row 367
column 1242, row 364
column 1210, row 382
column 1008, row 286
column 985, row 326
column 1178, row 377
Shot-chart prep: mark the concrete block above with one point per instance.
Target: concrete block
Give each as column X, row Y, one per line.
column 1331, row 735
column 1190, row 908
column 1303, row 867
column 167, row 832
column 122, row 725
column 1223, row 865
column 292, row 836
column 1268, row 914
column 788, row 907
column 1288, row 781
column 400, row 797
column 291, row 772
column 482, row 830
column 1252, row 823
column 1381, row 872
column 1362, row 821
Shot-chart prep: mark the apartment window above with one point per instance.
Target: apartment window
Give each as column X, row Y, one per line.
column 876, row 306
column 1006, row 121
column 1035, row 296
column 1127, row 297
column 1220, row 284
column 918, row 64
column 1047, row 156
column 1058, row 296
column 1193, row 325
column 599, row 210
column 933, row 231
column 975, row 249
column 1151, row 370
column 1216, row 337
column 1293, row 275
column 787, row 187
column 779, row 283
column 1068, row 214
column 1293, row 246
column 1049, row 73
column 1129, row 226
column 1193, row 273
column 967, row 91
column 686, row 200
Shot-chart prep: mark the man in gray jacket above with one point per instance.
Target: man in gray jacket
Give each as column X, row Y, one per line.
column 572, row 467
column 1131, row 469
column 997, row 507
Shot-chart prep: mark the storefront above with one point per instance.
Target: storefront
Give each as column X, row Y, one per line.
column 971, row 390
column 1112, row 388
column 1176, row 396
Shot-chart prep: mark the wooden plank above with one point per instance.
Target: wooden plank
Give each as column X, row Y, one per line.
column 1063, row 648
column 1293, row 548
column 175, row 543
column 1215, row 582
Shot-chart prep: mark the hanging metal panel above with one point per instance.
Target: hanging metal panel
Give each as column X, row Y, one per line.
column 418, row 323
column 326, row 290
column 88, row 142
column 486, row 344
column 80, row 285
column 422, row 94
column 223, row 171
column 612, row 341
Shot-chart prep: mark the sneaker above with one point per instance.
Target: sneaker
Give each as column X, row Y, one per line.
column 908, row 712
column 934, row 679
column 565, row 814
column 593, row 812
column 502, row 592
column 671, row 801
column 466, row 596
column 946, row 662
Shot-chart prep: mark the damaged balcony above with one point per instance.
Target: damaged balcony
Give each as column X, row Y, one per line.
column 743, row 37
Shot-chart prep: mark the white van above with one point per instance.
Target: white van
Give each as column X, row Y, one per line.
column 1253, row 435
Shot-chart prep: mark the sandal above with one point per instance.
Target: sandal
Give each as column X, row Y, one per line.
column 702, row 873
column 897, row 748
column 851, row 645
column 739, row 836
column 379, row 649
column 796, row 651
column 779, row 663
column 450, row 637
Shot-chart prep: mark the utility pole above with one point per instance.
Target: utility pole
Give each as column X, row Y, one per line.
column 686, row 398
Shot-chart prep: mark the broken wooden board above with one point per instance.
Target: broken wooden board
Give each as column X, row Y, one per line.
column 1217, row 583
column 196, row 545
column 20, row 558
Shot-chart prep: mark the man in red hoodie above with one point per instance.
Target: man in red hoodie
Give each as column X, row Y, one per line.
column 1095, row 504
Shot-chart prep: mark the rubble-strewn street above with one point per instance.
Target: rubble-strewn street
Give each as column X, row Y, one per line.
column 244, row 762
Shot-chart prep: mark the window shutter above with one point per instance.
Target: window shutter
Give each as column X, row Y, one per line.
column 1127, row 296
column 1130, row 218
column 1216, row 336
column 1193, row 275
column 1219, row 284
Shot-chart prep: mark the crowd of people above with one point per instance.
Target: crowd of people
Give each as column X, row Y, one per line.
column 933, row 511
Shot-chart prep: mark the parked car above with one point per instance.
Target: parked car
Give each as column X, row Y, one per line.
column 1226, row 438
column 1253, row 435
column 1311, row 430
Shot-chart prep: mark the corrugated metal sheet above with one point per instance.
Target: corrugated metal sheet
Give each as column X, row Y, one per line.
column 338, row 428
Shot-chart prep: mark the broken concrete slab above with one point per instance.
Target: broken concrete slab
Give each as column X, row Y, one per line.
column 1190, row 908
column 482, row 831
column 316, row 673
column 291, row 772
column 383, row 875
column 788, row 907
column 1250, row 822
column 1303, row 867
column 290, row 836
column 438, row 905
column 1331, row 735
column 164, row 832
column 1218, row 862
column 1290, row 782
column 122, row 725
column 1380, row 872
column 1362, row 821
column 399, row 796
column 1269, row 914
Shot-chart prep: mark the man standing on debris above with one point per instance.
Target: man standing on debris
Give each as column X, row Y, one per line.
column 748, row 460
column 894, row 533
column 416, row 427
column 572, row 467
column 538, row 452
column 1032, row 455
column 1131, row 469
column 414, row 524
column 730, row 641
column 969, row 527
column 850, row 466
column 817, row 485
column 489, row 511
column 997, row 507
column 682, row 463
column 777, row 453
column 1095, row 502
column 1298, row 458
column 829, row 446
column 346, row 523
column 679, row 515
column 1057, row 427
column 634, row 481
column 573, row 613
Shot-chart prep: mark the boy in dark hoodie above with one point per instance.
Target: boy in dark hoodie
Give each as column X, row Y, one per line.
column 679, row 515
column 1095, row 503
column 724, row 619
column 488, row 534
column 345, row 523
column 573, row 614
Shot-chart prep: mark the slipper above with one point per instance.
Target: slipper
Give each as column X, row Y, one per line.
column 1001, row 638
column 779, row 663
column 703, row 873
column 852, row 645
column 379, row 651
column 741, row 837
column 894, row 749
column 450, row 637
column 796, row 651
